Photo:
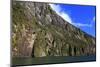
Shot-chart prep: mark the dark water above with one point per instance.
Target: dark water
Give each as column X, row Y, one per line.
column 52, row 60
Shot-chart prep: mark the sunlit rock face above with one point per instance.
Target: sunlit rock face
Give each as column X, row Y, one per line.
column 38, row 31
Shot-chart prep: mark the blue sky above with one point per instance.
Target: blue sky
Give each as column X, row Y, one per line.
column 80, row 16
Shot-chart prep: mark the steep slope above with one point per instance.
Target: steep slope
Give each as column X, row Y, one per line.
column 38, row 31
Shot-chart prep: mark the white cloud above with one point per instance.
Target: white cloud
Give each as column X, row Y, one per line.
column 55, row 7
column 60, row 12
column 66, row 17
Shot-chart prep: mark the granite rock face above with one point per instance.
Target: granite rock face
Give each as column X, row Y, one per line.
column 38, row 31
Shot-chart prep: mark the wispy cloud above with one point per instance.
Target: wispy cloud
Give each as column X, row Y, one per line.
column 82, row 25
column 56, row 7
column 66, row 16
column 86, row 25
column 60, row 12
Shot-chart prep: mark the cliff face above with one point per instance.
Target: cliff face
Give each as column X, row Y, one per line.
column 38, row 31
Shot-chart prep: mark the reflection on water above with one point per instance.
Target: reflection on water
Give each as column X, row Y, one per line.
column 49, row 60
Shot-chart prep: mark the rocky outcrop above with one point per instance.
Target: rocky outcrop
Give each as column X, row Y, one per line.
column 38, row 31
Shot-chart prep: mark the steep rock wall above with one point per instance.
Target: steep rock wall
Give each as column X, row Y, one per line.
column 38, row 31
